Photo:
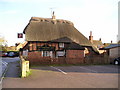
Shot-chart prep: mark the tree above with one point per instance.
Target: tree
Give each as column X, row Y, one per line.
column 3, row 44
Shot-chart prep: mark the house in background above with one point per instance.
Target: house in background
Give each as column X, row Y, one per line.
column 56, row 41
column 113, row 51
column 11, row 48
column 96, row 43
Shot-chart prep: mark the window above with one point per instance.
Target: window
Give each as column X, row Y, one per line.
column 61, row 45
column 46, row 53
column 25, row 53
column 60, row 53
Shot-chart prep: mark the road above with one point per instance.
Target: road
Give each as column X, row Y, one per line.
column 12, row 59
column 6, row 61
column 90, row 76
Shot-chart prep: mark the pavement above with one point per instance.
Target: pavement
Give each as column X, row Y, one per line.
column 92, row 76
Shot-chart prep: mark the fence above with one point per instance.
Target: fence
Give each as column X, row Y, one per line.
column 24, row 67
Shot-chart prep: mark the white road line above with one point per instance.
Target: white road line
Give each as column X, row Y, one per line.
column 5, row 63
column 59, row 70
column 89, row 69
column 3, row 74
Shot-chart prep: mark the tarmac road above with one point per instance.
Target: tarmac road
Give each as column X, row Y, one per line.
column 6, row 61
column 93, row 76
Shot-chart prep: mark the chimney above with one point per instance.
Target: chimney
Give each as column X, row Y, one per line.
column 111, row 41
column 53, row 16
column 91, row 37
column 100, row 39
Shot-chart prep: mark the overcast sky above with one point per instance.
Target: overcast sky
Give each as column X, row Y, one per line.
column 98, row 16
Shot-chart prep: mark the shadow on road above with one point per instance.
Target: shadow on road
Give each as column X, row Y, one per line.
column 82, row 69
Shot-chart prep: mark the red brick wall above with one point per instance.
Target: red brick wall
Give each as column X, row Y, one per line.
column 74, row 60
column 75, row 53
column 36, row 58
column 75, row 56
column 72, row 56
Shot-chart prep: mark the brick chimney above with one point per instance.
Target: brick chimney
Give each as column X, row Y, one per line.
column 91, row 37
column 100, row 39
column 53, row 16
column 111, row 41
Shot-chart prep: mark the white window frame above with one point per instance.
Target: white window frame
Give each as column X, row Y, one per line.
column 61, row 45
column 25, row 53
column 60, row 53
column 46, row 53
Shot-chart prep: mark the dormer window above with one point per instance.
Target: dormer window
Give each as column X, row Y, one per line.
column 61, row 45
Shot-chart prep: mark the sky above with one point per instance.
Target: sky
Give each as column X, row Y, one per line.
column 98, row 16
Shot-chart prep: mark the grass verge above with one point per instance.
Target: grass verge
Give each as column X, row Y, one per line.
column 28, row 73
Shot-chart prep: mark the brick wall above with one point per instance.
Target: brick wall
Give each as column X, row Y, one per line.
column 75, row 56
column 36, row 58
column 72, row 56
column 75, row 53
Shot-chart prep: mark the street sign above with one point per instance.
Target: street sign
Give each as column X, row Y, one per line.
column 20, row 35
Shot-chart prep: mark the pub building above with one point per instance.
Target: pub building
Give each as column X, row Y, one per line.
column 55, row 41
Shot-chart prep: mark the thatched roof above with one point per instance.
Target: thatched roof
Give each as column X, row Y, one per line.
column 47, row 29
column 98, row 43
column 62, row 40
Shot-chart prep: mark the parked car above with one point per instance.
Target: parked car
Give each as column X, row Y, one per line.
column 4, row 54
column 13, row 54
column 117, row 61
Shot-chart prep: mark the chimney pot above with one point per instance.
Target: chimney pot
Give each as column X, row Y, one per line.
column 111, row 41
column 53, row 16
column 91, row 37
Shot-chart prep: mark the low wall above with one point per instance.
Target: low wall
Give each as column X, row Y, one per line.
column 36, row 59
column 55, row 61
column 62, row 60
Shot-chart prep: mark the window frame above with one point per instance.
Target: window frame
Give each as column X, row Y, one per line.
column 47, row 53
column 61, row 45
column 59, row 52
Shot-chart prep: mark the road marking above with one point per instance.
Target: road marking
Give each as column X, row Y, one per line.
column 3, row 74
column 89, row 69
column 59, row 70
column 5, row 63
